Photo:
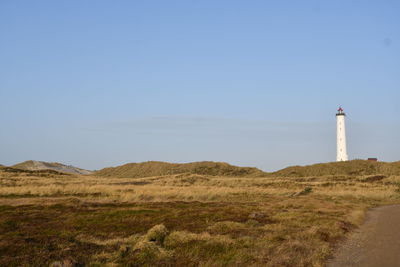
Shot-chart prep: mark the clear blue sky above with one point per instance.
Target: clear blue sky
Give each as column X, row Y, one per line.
column 252, row 83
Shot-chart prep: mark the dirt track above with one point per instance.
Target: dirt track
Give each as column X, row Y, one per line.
column 375, row 243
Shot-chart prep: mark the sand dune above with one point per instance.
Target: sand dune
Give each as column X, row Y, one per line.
column 33, row 165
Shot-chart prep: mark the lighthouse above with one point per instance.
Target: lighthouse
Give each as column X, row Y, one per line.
column 341, row 152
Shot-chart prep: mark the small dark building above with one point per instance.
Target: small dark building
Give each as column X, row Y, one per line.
column 373, row 159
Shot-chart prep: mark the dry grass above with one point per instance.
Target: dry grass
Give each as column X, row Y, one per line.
column 207, row 220
column 195, row 188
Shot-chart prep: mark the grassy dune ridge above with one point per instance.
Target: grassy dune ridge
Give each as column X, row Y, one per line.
column 353, row 168
column 190, row 217
column 34, row 165
column 157, row 168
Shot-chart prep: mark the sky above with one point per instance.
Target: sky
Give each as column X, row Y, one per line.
column 252, row 83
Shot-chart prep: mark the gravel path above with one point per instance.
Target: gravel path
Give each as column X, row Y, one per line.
column 375, row 243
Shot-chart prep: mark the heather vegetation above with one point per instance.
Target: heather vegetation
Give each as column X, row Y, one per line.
column 199, row 214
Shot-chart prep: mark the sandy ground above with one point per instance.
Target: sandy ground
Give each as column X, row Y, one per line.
column 375, row 243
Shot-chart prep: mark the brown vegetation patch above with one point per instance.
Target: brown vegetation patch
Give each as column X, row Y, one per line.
column 373, row 178
column 38, row 173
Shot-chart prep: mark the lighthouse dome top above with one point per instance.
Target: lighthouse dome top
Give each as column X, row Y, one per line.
column 340, row 112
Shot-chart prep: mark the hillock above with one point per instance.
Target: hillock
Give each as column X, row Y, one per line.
column 33, row 165
column 348, row 168
column 156, row 168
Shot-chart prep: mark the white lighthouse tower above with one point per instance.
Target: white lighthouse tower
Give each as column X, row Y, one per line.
column 341, row 153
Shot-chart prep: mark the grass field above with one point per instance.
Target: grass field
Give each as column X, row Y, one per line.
column 183, row 219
